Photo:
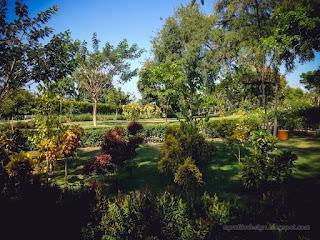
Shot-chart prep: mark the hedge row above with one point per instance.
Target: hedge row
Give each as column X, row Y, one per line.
column 85, row 107
column 151, row 133
column 92, row 137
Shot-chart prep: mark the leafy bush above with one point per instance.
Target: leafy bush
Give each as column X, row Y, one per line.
column 188, row 175
column 259, row 170
column 147, row 215
column 99, row 165
column 182, row 143
column 132, row 111
column 21, row 166
column 134, row 128
column 299, row 118
column 92, row 137
column 120, row 148
column 114, row 143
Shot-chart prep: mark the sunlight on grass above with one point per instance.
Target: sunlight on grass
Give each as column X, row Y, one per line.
column 220, row 175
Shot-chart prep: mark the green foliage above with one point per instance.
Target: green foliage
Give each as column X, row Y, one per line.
column 131, row 217
column 188, row 175
column 282, row 166
column 174, row 219
column 179, row 144
column 132, row 111
column 299, row 118
column 86, row 107
column 259, row 170
column 20, row 47
column 263, row 142
column 217, row 213
column 21, row 166
column 97, row 68
column 19, row 104
column 147, row 215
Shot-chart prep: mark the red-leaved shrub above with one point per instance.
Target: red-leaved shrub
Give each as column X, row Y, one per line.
column 99, row 165
column 134, row 128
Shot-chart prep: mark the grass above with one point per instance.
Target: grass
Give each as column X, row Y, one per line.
column 153, row 121
column 220, row 174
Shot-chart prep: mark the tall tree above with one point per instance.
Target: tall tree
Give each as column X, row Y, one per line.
column 183, row 39
column 164, row 80
column 97, row 69
column 19, row 44
column 116, row 97
column 311, row 80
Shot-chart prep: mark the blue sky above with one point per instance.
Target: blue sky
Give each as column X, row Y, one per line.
column 136, row 20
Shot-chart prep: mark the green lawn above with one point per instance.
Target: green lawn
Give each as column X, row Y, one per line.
column 153, row 121
column 220, row 174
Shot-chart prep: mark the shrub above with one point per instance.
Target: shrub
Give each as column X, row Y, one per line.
column 131, row 217
column 92, row 137
column 114, row 144
column 174, row 218
column 21, row 166
column 259, row 170
column 132, row 111
column 119, row 147
column 99, row 165
column 188, row 175
column 182, row 143
column 134, row 128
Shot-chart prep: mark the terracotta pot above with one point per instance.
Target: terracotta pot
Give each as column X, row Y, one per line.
column 283, row 134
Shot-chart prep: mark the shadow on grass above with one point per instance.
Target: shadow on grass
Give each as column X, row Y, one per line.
column 221, row 173
column 146, row 172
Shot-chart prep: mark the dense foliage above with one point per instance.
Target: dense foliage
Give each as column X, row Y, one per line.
column 182, row 143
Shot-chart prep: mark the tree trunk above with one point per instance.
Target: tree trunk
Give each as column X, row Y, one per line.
column 190, row 110
column 95, row 111
column 12, row 122
column 275, row 124
column 60, row 111
column 265, row 107
column 65, row 169
column 116, row 118
column 167, row 108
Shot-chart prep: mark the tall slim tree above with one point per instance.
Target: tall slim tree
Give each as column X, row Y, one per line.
column 97, row 69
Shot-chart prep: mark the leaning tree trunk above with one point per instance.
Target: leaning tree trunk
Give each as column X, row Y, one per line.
column 95, row 111
column 275, row 124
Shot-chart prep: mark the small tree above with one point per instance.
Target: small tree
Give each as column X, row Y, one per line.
column 69, row 142
column 47, row 124
column 188, row 176
column 98, row 68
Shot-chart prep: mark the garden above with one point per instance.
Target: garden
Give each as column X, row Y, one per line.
column 199, row 155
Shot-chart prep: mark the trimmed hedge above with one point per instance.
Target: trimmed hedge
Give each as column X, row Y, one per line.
column 93, row 136
column 151, row 133
column 85, row 107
